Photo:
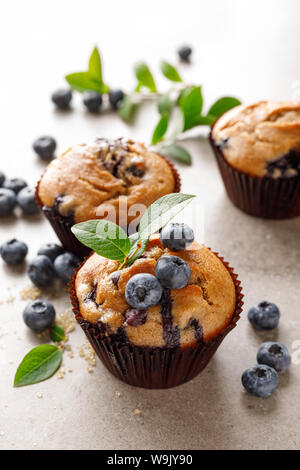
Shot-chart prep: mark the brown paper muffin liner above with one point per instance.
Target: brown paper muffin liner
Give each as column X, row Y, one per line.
column 265, row 197
column 62, row 226
column 154, row 368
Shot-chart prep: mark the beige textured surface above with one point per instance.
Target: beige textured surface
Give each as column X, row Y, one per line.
column 82, row 410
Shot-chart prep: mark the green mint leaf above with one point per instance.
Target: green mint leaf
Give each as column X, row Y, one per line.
column 160, row 129
column 144, row 76
column 164, row 104
column 39, row 364
column 222, row 105
column 177, row 153
column 127, row 109
column 95, row 67
column 57, row 334
column 161, row 212
column 191, row 103
column 170, row 72
column 104, row 237
column 83, row 81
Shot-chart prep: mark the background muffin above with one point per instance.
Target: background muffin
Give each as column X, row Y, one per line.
column 102, row 180
column 258, row 152
column 165, row 344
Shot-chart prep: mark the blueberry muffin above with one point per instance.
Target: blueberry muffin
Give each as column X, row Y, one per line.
column 112, row 179
column 172, row 340
column 258, row 151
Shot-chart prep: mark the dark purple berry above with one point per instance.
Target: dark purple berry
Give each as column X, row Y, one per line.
column 39, row 315
column 62, row 98
column 115, row 98
column 13, row 251
column 92, row 101
column 45, row 147
column 184, row 53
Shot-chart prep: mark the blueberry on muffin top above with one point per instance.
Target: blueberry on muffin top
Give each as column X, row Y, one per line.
column 91, row 181
column 197, row 312
column 261, row 139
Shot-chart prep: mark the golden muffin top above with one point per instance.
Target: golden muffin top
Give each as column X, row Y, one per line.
column 198, row 312
column 97, row 180
column 261, row 139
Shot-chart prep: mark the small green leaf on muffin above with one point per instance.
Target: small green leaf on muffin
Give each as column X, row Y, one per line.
column 109, row 240
column 177, row 153
column 160, row 129
column 170, row 72
column 223, row 105
column 38, row 365
column 104, row 237
column 144, row 77
column 57, row 334
column 161, row 212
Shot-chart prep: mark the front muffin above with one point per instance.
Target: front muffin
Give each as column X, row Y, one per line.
column 167, row 343
column 258, row 152
column 112, row 179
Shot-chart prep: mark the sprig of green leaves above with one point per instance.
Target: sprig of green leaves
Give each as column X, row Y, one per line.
column 109, row 240
column 186, row 102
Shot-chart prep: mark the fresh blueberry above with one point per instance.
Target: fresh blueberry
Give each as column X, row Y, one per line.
column 41, row 271
column 275, row 355
column 64, row 266
column 260, row 380
column 92, row 101
column 62, row 98
column 142, row 291
column 172, row 272
column 13, row 251
column 45, row 147
column 115, row 98
column 26, row 200
column 8, row 201
column 264, row 316
column 176, row 236
column 2, row 178
column 14, row 184
column 52, row 250
column 184, row 53
column 39, row 315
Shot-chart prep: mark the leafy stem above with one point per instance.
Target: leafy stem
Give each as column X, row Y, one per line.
column 180, row 108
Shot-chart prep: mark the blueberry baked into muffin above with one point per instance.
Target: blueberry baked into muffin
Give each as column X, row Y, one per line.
column 258, row 152
column 157, row 322
column 104, row 179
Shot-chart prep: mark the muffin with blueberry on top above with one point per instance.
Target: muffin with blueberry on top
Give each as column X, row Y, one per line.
column 258, row 152
column 98, row 180
column 156, row 322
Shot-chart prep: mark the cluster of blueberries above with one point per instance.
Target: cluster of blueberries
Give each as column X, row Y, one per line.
column 273, row 358
column 13, row 192
column 93, row 100
column 51, row 261
column 145, row 290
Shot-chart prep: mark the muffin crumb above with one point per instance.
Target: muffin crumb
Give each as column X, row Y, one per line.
column 30, row 293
